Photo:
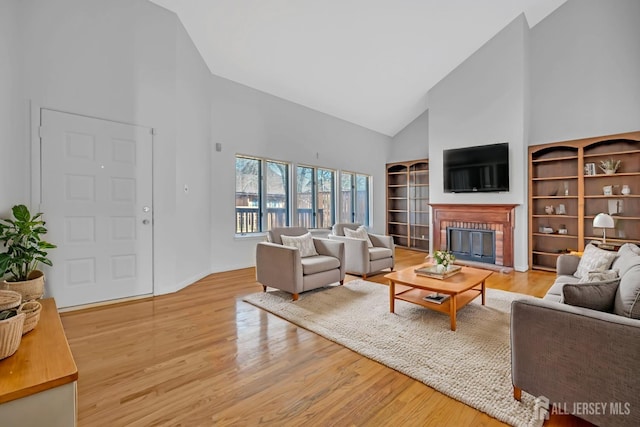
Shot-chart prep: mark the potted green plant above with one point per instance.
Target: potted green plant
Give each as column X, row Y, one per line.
column 22, row 236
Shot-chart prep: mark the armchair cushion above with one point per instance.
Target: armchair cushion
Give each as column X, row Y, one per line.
column 595, row 295
column 304, row 243
column 379, row 253
column 359, row 233
column 317, row 264
column 594, row 259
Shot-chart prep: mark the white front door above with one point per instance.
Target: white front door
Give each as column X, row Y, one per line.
column 96, row 196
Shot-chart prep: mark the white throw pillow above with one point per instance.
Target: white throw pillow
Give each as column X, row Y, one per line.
column 594, row 260
column 359, row 233
column 304, row 243
column 599, row 276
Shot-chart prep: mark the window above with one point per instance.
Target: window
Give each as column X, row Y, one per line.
column 325, row 196
column 277, row 190
column 255, row 195
column 247, row 195
column 361, row 205
column 354, row 197
column 315, row 191
column 346, row 197
column 264, row 201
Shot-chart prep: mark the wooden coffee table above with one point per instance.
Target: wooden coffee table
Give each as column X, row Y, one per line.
column 462, row 288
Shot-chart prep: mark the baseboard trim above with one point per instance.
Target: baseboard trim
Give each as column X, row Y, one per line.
column 103, row 303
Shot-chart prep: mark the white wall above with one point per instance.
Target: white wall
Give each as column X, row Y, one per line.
column 14, row 177
column 247, row 121
column 193, row 158
column 585, row 75
column 132, row 61
column 117, row 60
column 412, row 142
column 483, row 102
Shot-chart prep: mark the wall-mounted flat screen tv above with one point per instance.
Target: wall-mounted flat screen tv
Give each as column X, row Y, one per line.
column 484, row 168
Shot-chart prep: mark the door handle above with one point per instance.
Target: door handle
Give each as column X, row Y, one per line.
column 145, row 221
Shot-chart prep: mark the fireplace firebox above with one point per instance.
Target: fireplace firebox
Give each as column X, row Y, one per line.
column 472, row 244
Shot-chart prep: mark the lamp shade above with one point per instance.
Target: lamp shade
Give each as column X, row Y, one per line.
column 603, row 220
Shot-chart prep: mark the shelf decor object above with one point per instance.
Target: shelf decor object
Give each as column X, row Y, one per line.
column 604, row 221
column 596, row 170
column 609, row 166
column 437, row 272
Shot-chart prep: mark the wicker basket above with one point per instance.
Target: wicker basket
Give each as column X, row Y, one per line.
column 32, row 288
column 11, row 334
column 9, row 299
column 32, row 310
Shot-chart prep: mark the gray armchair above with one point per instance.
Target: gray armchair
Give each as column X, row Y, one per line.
column 282, row 267
column 361, row 259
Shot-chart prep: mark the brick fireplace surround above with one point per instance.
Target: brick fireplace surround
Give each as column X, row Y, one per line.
column 499, row 218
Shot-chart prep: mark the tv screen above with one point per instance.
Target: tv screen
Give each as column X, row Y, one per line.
column 484, row 168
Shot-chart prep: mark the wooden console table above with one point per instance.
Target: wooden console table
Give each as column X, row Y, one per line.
column 38, row 384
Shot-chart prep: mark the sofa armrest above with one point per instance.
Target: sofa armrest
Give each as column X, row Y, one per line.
column 573, row 354
column 382, row 241
column 567, row 264
column 279, row 266
column 356, row 254
column 332, row 248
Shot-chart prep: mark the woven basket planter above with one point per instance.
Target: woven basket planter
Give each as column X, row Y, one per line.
column 32, row 311
column 30, row 289
column 9, row 299
column 11, row 335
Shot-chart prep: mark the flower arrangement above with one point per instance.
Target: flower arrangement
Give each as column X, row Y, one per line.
column 444, row 258
column 609, row 165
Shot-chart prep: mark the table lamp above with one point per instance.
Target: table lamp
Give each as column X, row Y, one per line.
column 604, row 221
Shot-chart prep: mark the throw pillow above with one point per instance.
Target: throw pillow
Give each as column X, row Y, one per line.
column 628, row 256
column 304, row 244
column 627, row 301
column 594, row 259
column 596, row 295
column 599, row 276
column 359, row 233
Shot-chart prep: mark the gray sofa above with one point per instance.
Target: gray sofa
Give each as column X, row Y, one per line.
column 582, row 361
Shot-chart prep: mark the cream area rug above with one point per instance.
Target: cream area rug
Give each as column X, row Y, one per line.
column 472, row 364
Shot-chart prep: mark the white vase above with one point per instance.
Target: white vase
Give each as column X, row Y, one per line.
column 625, row 190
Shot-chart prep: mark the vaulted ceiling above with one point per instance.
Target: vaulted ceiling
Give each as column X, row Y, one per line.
column 369, row 62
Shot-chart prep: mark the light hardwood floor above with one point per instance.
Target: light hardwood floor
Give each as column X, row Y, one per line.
column 202, row 356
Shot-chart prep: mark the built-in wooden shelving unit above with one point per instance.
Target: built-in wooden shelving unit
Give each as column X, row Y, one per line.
column 566, row 177
column 408, row 203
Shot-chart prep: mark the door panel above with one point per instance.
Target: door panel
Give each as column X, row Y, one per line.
column 96, row 195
